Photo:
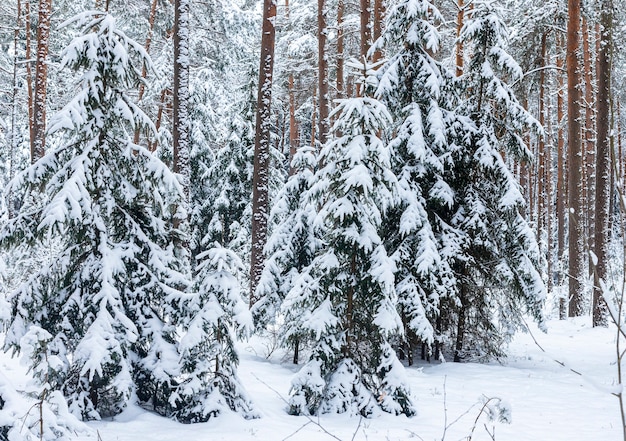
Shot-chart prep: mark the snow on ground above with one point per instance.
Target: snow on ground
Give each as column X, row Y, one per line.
column 547, row 401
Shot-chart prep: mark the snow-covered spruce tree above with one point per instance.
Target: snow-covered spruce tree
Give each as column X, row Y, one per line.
column 209, row 382
column 347, row 296
column 419, row 89
column 106, row 299
column 290, row 251
column 494, row 253
column 222, row 187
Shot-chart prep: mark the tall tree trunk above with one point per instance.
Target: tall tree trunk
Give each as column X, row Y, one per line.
column 16, row 89
column 314, row 117
column 14, row 142
column 379, row 14
column 293, row 123
column 38, row 137
column 366, row 30
column 589, row 147
column 603, row 166
column 181, row 128
column 459, row 45
column 341, row 88
column 164, row 107
column 526, row 173
column 322, row 74
column 561, row 189
column 260, row 178
column 144, row 72
column 548, row 176
column 366, row 36
column 620, row 156
column 574, row 156
column 29, row 72
column 541, row 172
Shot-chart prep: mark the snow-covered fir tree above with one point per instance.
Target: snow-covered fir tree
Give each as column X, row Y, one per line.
column 466, row 258
column 290, row 250
column 347, row 295
column 222, row 187
column 419, row 90
column 107, row 298
column 209, row 382
column 488, row 243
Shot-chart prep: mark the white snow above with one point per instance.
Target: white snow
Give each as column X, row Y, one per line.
column 545, row 400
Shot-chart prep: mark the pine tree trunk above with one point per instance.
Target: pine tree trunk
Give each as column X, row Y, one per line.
column 293, row 123
column 16, row 88
column 14, row 142
column 620, row 158
column 589, row 135
column 322, row 74
column 164, row 106
column 460, row 330
column 379, row 14
column 366, row 36
column 29, row 72
column 38, row 136
column 366, row 32
column 144, row 72
column 180, row 132
column 459, row 45
column 603, row 177
column 541, row 192
column 574, row 156
column 549, row 190
column 561, row 189
column 341, row 89
column 260, row 178
column 314, row 117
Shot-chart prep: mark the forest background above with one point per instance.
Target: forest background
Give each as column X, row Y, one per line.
column 485, row 144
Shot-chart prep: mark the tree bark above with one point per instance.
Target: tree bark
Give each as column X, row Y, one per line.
column 366, row 36
column 180, row 132
column 379, row 14
column 14, row 142
column 314, row 117
column 293, row 123
column 459, row 45
column 541, row 172
column 260, row 178
column 144, row 72
column 366, row 31
column 38, row 135
column 574, row 156
column 561, row 189
column 29, row 72
column 322, row 75
column 589, row 137
column 164, row 107
column 548, row 176
column 341, row 89
column 603, row 170
column 620, row 156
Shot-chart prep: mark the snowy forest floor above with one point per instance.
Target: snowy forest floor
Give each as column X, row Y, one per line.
column 547, row 401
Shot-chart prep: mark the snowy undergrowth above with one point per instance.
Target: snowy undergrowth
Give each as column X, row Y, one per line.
column 547, row 401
